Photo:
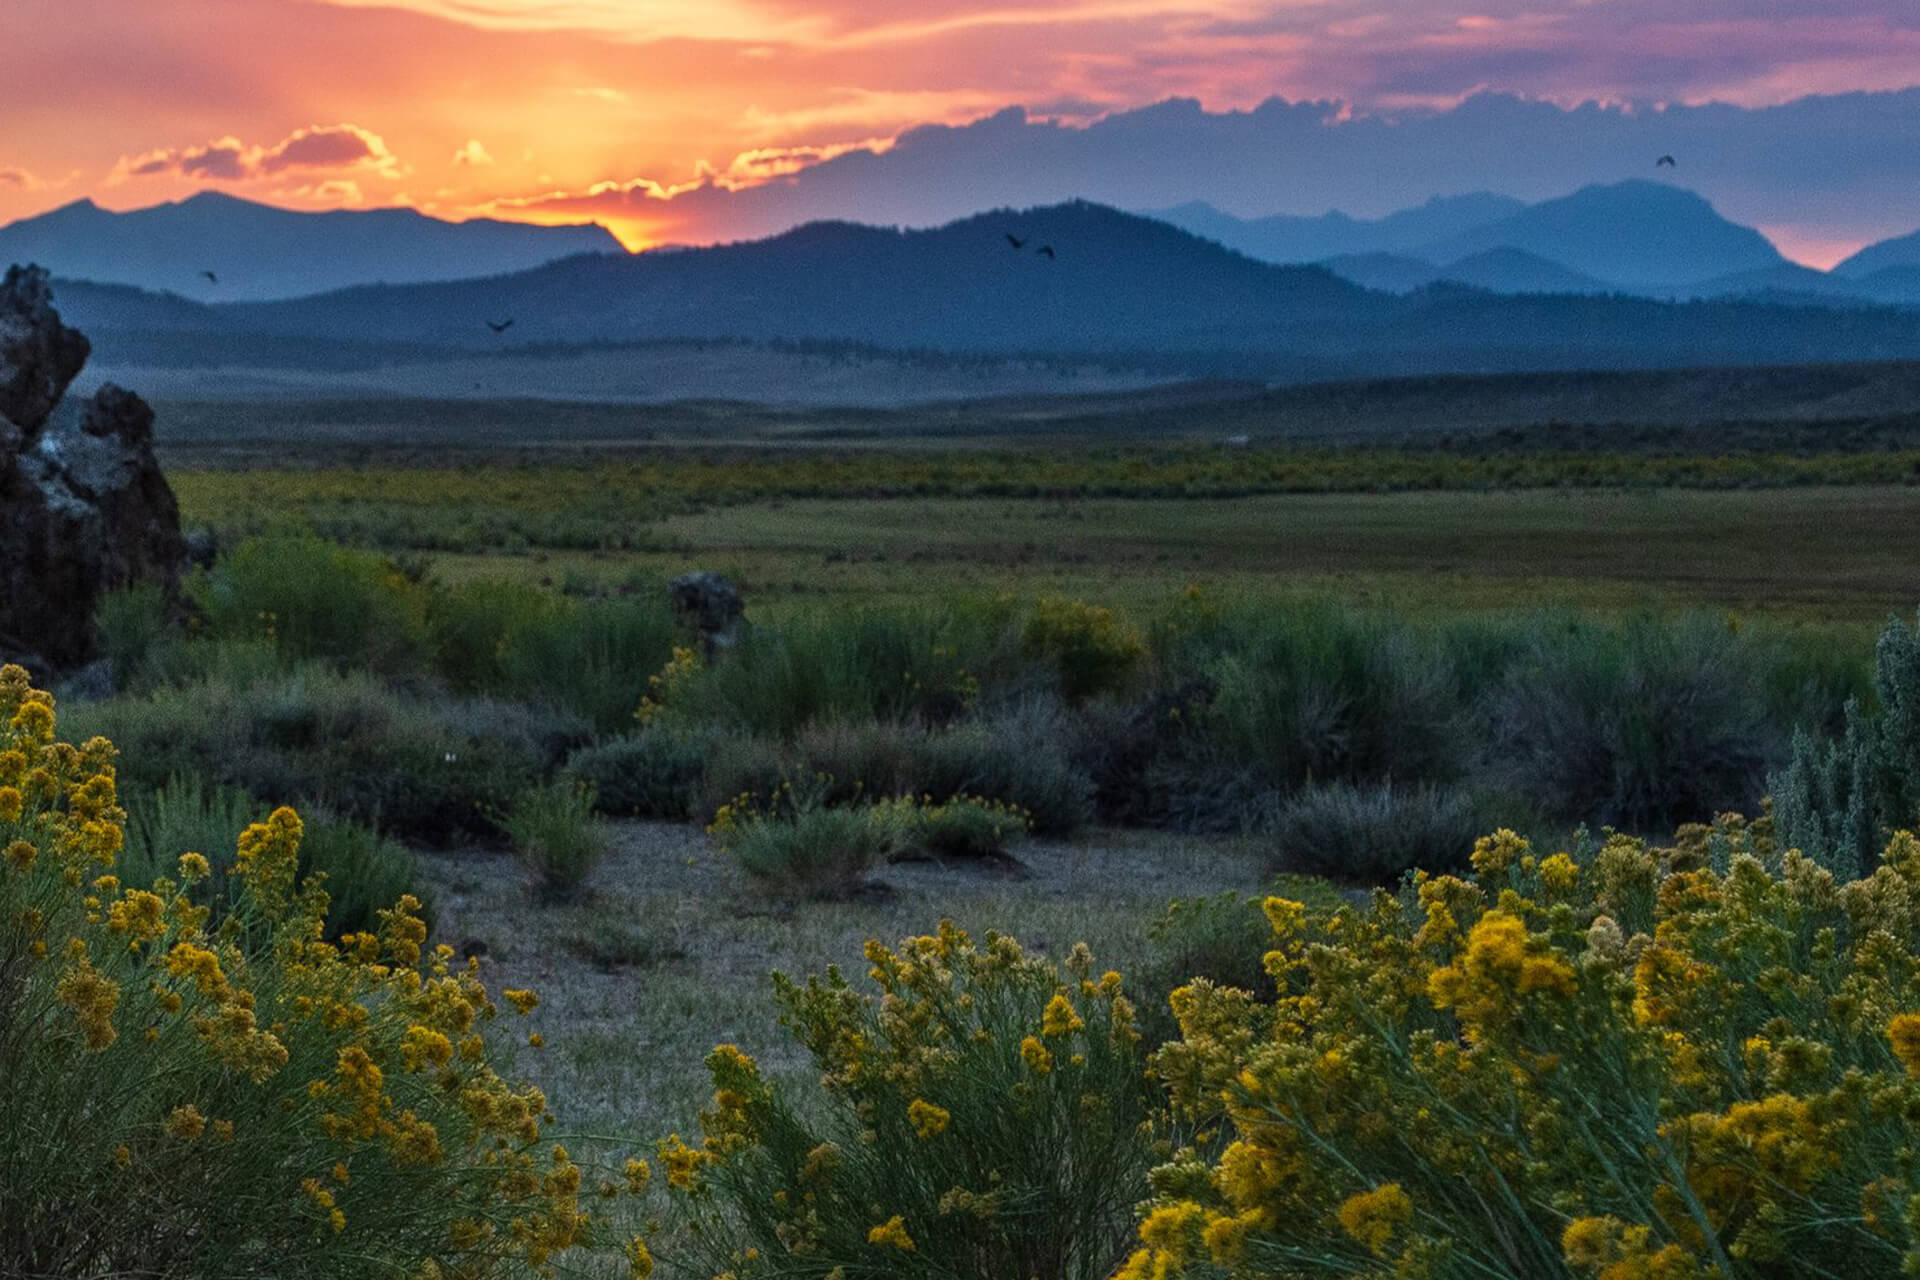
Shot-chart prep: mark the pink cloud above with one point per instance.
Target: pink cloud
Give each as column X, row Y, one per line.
column 228, row 159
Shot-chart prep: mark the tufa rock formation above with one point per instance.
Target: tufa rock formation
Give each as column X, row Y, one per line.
column 712, row 606
column 83, row 506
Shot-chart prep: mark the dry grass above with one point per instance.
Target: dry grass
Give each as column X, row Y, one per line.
column 671, row 954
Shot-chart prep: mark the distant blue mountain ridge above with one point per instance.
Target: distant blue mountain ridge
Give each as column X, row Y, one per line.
column 1650, row 239
column 1067, row 280
column 216, row 247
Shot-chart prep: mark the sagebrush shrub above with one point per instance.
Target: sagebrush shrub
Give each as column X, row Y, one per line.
column 1371, row 834
column 980, row 1114
column 248, row 1101
column 655, row 772
column 1643, row 727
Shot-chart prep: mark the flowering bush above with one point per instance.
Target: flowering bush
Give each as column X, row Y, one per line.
column 1094, row 651
column 250, row 1101
column 983, row 1117
column 1637, row 1062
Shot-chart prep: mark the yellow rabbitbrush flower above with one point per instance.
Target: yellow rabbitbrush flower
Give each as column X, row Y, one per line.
column 302, row 1043
column 1375, row 1217
column 1668, row 1062
column 927, row 1120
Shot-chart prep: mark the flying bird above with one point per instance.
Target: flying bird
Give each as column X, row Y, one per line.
column 1045, row 251
column 500, row 326
column 1664, row 160
column 1016, row 241
column 211, row 278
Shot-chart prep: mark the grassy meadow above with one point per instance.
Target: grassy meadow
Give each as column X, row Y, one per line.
column 1112, row 693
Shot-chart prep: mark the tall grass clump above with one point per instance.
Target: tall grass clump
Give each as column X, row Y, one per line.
column 1318, row 692
column 979, row 1113
column 1371, row 834
column 315, row 600
column 246, row 1101
column 554, row 834
column 897, row 665
column 1694, row 1060
column 1642, row 726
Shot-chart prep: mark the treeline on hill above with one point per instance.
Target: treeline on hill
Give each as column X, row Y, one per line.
column 1355, row 743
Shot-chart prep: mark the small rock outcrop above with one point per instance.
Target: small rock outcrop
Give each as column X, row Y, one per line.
column 83, row 506
column 712, row 606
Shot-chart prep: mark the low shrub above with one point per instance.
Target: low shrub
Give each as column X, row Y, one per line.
column 1092, row 650
column 364, row 872
column 807, row 851
column 553, row 832
column 1371, row 834
column 421, row 768
column 248, row 1101
column 981, row 1115
column 1020, row 754
column 314, row 600
column 1625, row 1061
column 653, row 773
column 1640, row 727
column 1314, row 692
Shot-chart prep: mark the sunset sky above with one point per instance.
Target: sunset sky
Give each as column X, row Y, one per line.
column 574, row 109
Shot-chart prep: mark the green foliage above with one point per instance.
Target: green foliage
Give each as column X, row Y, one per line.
column 315, row 600
column 1091, row 649
column 1314, row 691
column 902, row 665
column 981, row 1116
column 1838, row 801
column 654, row 772
column 1589, row 1065
column 553, row 832
column 364, row 872
column 135, row 632
column 816, row 852
column 1371, row 833
column 421, row 768
column 244, row 1100
column 1641, row 727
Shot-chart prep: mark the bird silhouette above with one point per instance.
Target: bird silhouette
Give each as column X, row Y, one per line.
column 500, row 326
column 1045, row 251
column 1016, row 241
column 1666, row 161
column 211, row 278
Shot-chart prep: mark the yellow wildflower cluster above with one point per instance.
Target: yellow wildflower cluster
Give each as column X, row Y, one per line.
column 237, row 1080
column 937, row 1058
column 681, row 668
column 1622, row 1060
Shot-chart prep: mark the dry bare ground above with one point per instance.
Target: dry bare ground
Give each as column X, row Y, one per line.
column 670, row 954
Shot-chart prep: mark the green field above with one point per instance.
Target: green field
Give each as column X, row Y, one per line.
column 1845, row 553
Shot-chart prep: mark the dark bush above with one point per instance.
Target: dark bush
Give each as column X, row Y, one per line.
column 653, row 773
column 1372, row 833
